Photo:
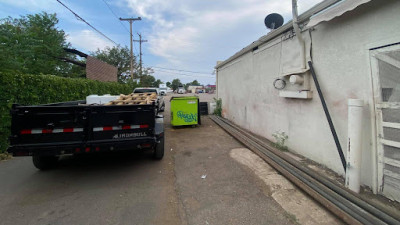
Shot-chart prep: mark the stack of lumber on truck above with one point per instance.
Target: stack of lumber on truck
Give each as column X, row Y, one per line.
column 135, row 99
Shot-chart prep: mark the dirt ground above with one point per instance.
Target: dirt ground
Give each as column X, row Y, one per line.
column 236, row 180
column 212, row 187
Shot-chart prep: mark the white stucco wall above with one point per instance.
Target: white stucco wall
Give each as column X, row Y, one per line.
column 340, row 50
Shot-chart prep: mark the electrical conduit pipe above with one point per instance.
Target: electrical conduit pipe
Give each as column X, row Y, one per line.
column 298, row 34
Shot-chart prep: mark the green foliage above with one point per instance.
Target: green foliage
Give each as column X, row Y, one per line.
column 168, row 84
column 175, row 84
column 5, row 156
column 33, row 44
column 280, row 138
column 218, row 107
column 195, row 83
column 157, row 83
column 147, row 81
column 43, row 89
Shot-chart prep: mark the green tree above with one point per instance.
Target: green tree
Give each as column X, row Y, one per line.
column 119, row 57
column 187, row 85
column 175, row 84
column 168, row 84
column 195, row 83
column 147, row 81
column 33, row 44
column 157, row 83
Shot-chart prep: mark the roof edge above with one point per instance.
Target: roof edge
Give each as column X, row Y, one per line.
column 273, row 34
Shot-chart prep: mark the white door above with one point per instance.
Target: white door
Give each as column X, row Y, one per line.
column 385, row 64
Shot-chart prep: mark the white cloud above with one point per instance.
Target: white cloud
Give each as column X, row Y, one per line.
column 87, row 40
column 189, row 30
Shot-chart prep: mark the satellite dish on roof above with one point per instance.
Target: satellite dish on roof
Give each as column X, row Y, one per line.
column 273, row 21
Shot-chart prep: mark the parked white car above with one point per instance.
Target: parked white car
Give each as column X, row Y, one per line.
column 181, row 90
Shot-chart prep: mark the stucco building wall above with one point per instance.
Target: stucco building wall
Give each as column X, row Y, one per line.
column 341, row 57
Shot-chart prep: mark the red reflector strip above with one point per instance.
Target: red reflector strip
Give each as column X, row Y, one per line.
column 50, row 131
column 123, row 127
column 126, row 127
column 26, row 131
column 47, row 131
column 107, row 128
column 68, row 130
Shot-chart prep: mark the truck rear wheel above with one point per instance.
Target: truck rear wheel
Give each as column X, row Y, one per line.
column 45, row 162
column 159, row 150
column 162, row 107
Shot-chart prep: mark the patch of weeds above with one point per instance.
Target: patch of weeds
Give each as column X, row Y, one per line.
column 5, row 156
column 218, row 108
column 280, row 139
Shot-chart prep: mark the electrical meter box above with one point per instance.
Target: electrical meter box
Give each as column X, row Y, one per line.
column 185, row 111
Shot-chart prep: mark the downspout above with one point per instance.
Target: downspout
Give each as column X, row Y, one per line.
column 298, row 34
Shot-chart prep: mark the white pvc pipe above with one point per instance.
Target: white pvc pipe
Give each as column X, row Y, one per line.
column 354, row 144
column 298, row 34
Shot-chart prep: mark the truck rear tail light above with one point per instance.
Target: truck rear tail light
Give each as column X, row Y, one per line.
column 21, row 154
column 144, row 126
column 97, row 149
column 146, row 145
column 77, row 150
column 87, row 149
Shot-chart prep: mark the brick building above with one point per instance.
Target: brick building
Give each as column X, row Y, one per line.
column 99, row 70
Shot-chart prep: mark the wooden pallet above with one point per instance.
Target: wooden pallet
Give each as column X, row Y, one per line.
column 135, row 99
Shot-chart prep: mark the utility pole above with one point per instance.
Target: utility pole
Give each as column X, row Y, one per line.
column 140, row 54
column 130, row 22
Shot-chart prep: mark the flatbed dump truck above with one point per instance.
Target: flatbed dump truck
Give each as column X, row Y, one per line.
column 49, row 131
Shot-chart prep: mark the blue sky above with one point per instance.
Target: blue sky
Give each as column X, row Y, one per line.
column 182, row 35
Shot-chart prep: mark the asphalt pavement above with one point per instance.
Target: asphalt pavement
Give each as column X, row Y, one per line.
column 197, row 182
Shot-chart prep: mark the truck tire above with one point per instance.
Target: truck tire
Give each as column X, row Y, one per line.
column 159, row 150
column 162, row 107
column 45, row 162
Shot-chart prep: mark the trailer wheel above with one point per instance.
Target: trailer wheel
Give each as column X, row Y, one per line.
column 45, row 162
column 159, row 150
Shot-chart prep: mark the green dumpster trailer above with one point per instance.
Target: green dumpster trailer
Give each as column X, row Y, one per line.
column 185, row 111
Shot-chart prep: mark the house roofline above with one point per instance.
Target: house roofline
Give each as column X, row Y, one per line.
column 286, row 27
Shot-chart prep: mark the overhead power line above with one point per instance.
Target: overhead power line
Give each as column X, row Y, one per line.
column 83, row 20
column 183, row 74
column 127, row 30
column 179, row 70
column 112, row 11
